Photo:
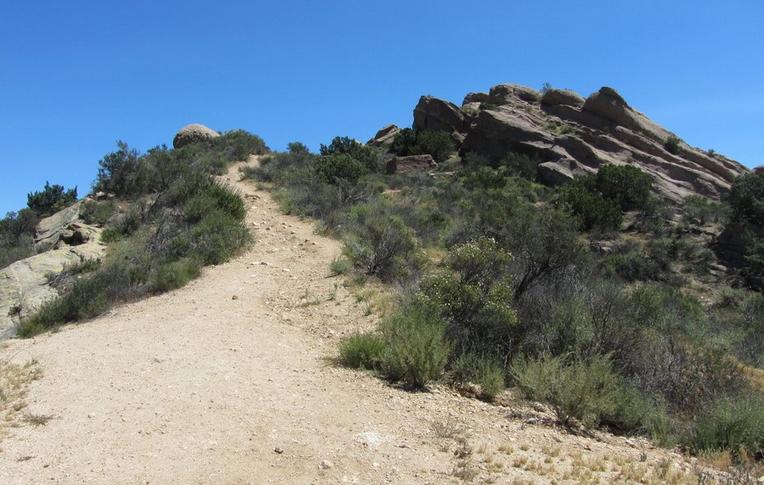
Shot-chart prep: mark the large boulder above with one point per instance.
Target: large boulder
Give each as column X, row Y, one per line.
column 193, row 133
column 411, row 164
column 435, row 114
column 555, row 97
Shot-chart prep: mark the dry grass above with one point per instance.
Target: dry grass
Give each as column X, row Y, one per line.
column 14, row 381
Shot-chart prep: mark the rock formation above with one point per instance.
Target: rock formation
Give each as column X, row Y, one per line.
column 411, row 164
column 385, row 136
column 62, row 240
column 193, row 133
column 572, row 136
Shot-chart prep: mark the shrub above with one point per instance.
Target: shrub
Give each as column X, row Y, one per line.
column 215, row 196
column 735, row 424
column 368, row 157
column 335, row 168
column 125, row 225
column 175, row 274
column 672, row 144
column 595, row 211
column 545, row 243
column 51, row 199
column 522, row 165
column 340, row 266
column 432, row 142
column 634, row 266
column 480, row 370
column 97, row 212
column 700, row 211
column 417, row 350
column 625, row 185
column 217, row 237
column 123, row 172
column 586, row 391
column 746, row 199
column 17, row 231
column 237, row 145
column 474, row 297
column 382, row 245
column 362, row 351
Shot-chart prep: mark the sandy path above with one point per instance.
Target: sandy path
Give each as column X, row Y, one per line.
column 228, row 380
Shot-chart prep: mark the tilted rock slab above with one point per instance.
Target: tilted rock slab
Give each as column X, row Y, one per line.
column 573, row 136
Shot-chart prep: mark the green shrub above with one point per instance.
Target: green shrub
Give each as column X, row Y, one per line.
column 474, row 296
column 699, row 210
column 97, row 212
column 17, row 230
column 368, row 157
column 175, row 274
column 625, row 185
column 417, row 350
column 634, row 266
column 237, row 145
column 432, row 142
column 123, row 172
column 382, row 245
column 586, row 391
column 335, row 168
column 480, row 370
column 87, row 298
column 217, row 238
column 340, row 266
column 215, row 196
column 362, row 351
column 734, row 424
column 125, row 225
column 595, row 211
column 672, row 144
column 51, row 199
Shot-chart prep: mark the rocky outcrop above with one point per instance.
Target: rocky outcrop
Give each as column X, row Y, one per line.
column 572, row 136
column 555, row 97
column 384, row 137
column 435, row 114
column 411, row 164
column 193, row 133
column 62, row 240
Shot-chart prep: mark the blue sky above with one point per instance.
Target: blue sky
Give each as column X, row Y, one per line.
column 75, row 76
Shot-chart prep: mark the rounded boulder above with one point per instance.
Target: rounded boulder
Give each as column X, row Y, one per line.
column 193, row 133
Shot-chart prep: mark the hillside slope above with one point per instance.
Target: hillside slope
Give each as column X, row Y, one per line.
column 230, row 380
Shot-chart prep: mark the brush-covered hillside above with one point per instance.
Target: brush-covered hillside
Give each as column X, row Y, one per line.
column 526, row 246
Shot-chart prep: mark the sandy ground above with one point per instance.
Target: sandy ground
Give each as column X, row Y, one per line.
column 230, row 380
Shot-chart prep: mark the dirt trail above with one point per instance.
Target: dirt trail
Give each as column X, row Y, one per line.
column 229, row 380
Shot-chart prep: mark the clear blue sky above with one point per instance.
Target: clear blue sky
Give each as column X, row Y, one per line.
column 75, row 76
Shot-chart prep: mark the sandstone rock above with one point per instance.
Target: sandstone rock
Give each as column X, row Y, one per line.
column 435, row 114
column 411, row 164
column 50, row 230
column 385, row 136
column 571, row 137
column 504, row 92
column 561, row 96
column 193, row 133
column 24, row 284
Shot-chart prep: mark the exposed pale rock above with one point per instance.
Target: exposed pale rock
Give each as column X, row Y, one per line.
column 193, row 133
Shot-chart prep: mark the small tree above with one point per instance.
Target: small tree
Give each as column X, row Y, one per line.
column 122, row 172
column 51, row 199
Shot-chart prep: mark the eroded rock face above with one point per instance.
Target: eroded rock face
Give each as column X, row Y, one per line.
column 62, row 240
column 385, row 136
column 193, row 133
column 572, row 136
column 435, row 114
column 411, row 164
